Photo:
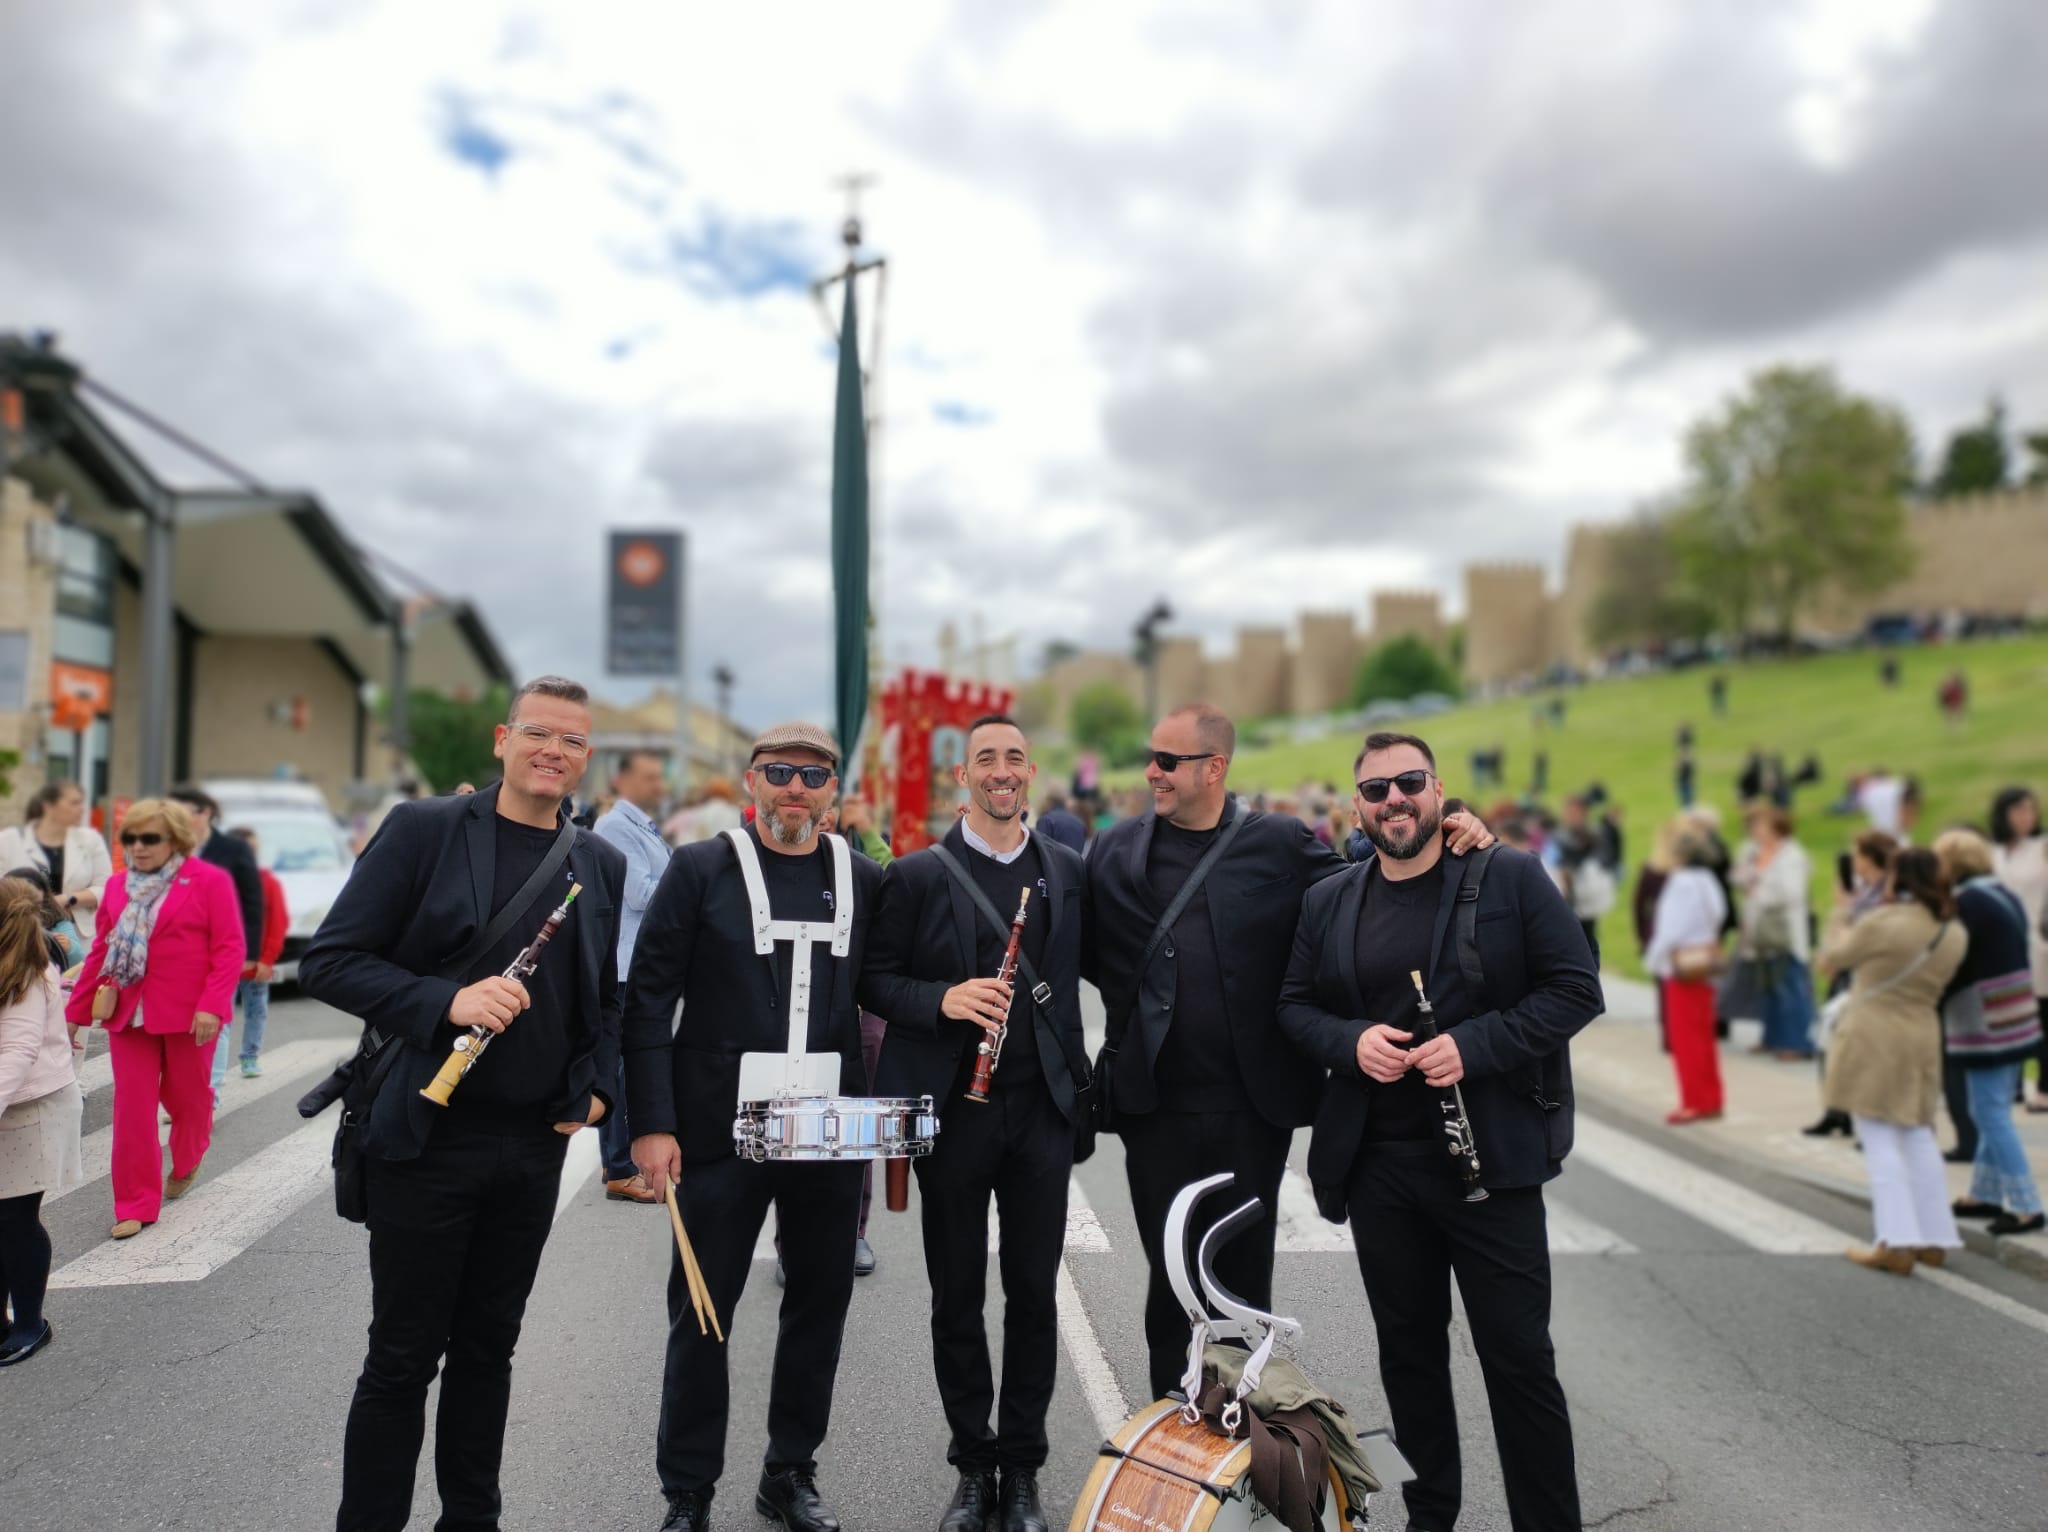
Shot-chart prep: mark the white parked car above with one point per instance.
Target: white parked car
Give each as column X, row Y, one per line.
column 298, row 840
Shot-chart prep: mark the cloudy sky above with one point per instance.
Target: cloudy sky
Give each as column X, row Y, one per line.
column 1255, row 306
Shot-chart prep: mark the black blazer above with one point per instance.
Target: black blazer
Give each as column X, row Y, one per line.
column 696, row 947
column 1255, row 895
column 924, row 943
column 1541, row 987
column 419, row 893
column 233, row 857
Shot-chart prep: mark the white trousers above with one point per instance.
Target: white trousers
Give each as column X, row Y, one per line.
column 1908, row 1186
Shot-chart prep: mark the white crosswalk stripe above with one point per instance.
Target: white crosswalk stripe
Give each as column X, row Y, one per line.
column 282, row 1066
column 1713, row 1200
column 216, row 1221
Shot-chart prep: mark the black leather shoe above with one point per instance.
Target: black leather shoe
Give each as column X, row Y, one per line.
column 689, row 1511
column 1021, row 1510
column 973, row 1507
column 791, row 1497
column 1831, row 1121
column 2012, row 1223
column 11, row 1355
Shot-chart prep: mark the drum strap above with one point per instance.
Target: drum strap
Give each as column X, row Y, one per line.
column 1290, row 1457
column 803, row 935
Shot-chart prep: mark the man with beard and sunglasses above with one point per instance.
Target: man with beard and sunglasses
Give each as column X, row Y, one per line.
column 698, row 950
column 1510, row 979
column 931, row 972
column 1196, row 1078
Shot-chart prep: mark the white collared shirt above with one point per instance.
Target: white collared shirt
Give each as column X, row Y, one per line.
column 1003, row 857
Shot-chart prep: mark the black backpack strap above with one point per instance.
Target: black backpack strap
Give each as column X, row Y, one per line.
column 1037, row 988
column 1181, row 898
column 1466, row 919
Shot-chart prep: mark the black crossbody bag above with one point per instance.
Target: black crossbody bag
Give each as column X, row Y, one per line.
column 1105, row 1061
column 1040, row 994
column 357, row 1080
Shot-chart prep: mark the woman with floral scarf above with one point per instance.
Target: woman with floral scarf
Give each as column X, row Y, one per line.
column 160, row 978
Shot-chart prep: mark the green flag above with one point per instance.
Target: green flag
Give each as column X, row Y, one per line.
column 850, row 544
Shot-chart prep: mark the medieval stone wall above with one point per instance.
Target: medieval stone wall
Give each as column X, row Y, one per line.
column 1507, row 622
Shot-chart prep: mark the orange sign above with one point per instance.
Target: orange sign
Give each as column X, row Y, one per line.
column 642, row 563
column 79, row 694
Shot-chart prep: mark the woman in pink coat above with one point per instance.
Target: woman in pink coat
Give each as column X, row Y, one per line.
column 167, row 959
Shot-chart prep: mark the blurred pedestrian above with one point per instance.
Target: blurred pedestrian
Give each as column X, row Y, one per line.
column 638, row 788
column 1953, row 697
column 1685, row 954
column 1990, row 1024
column 161, row 979
column 1773, row 874
column 1861, row 885
column 69, row 852
column 1717, row 694
column 1881, row 796
column 60, row 932
column 1684, row 776
column 1884, row 1059
column 1589, row 877
column 253, row 994
column 235, row 859
column 2019, row 856
column 40, row 1112
column 1058, row 823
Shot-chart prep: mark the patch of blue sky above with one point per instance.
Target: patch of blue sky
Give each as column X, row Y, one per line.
column 954, row 412
column 468, row 138
column 745, row 258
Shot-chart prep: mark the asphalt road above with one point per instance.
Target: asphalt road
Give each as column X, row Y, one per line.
column 1726, row 1368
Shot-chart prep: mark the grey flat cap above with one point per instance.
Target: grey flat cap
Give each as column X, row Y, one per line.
column 796, row 736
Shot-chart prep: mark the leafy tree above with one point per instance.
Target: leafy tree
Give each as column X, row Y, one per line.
column 1103, row 717
column 1643, row 597
column 9, row 759
column 451, row 739
column 2036, row 443
column 1056, row 653
column 1977, row 458
column 1794, row 489
column 1402, row 668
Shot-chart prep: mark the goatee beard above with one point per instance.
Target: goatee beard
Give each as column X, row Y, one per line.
column 785, row 835
column 1426, row 824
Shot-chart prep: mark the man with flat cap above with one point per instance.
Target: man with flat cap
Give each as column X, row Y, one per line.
column 751, row 932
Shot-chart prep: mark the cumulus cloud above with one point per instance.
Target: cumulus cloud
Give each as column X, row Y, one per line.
column 1256, row 308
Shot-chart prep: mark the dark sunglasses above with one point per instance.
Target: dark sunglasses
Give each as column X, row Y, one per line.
column 1166, row 760
column 141, row 838
column 1411, row 783
column 778, row 774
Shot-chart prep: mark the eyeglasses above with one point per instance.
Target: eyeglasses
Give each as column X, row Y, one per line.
column 141, row 838
column 1166, row 760
column 1411, row 783
column 535, row 735
column 779, row 773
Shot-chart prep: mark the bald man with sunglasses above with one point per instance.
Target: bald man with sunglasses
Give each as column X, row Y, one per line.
column 1196, row 1078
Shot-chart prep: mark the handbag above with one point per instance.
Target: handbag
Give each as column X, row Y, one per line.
column 106, row 997
column 1105, row 1058
column 1827, row 1021
column 359, row 1079
column 1041, row 999
column 1702, row 961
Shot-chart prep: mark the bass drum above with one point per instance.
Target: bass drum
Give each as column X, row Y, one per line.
column 1160, row 1474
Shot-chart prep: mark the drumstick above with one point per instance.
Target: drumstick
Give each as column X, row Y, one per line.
column 693, row 1275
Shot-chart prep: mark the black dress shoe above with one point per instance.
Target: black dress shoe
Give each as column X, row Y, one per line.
column 2004, row 1223
column 1959, row 1156
column 791, row 1497
column 1021, row 1510
column 973, row 1507
column 1963, row 1208
column 689, row 1511
column 1831, row 1121
column 12, row 1354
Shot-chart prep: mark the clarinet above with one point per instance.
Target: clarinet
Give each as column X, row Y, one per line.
column 469, row 1047
column 989, row 1052
column 1457, row 1125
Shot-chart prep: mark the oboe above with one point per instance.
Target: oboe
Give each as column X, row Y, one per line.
column 1457, row 1126
column 469, row 1047
column 989, row 1052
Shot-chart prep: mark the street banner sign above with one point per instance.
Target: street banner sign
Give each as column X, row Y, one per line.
column 644, row 603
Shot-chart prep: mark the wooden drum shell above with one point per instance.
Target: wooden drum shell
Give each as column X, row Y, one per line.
column 1159, row 1474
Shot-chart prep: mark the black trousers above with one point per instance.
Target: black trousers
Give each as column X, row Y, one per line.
column 1413, row 1230
column 1019, row 1150
column 1955, row 1090
column 724, row 1204
column 455, row 1242
column 1164, row 1151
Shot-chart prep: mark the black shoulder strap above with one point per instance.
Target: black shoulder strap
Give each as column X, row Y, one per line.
column 1039, row 990
column 1467, row 918
column 1188, row 889
column 499, row 924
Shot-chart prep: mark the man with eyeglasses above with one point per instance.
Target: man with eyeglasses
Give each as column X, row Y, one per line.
column 1510, row 980
column 1196, row 1078
column 461, row 1198
column 932, row 973
column 709, row 944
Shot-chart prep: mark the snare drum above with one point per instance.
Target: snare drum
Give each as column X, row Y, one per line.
column 1160, row 1473
column 835, row 1128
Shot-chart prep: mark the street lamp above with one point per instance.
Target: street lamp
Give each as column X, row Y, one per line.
column 721, row 677
column 1147, row 633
